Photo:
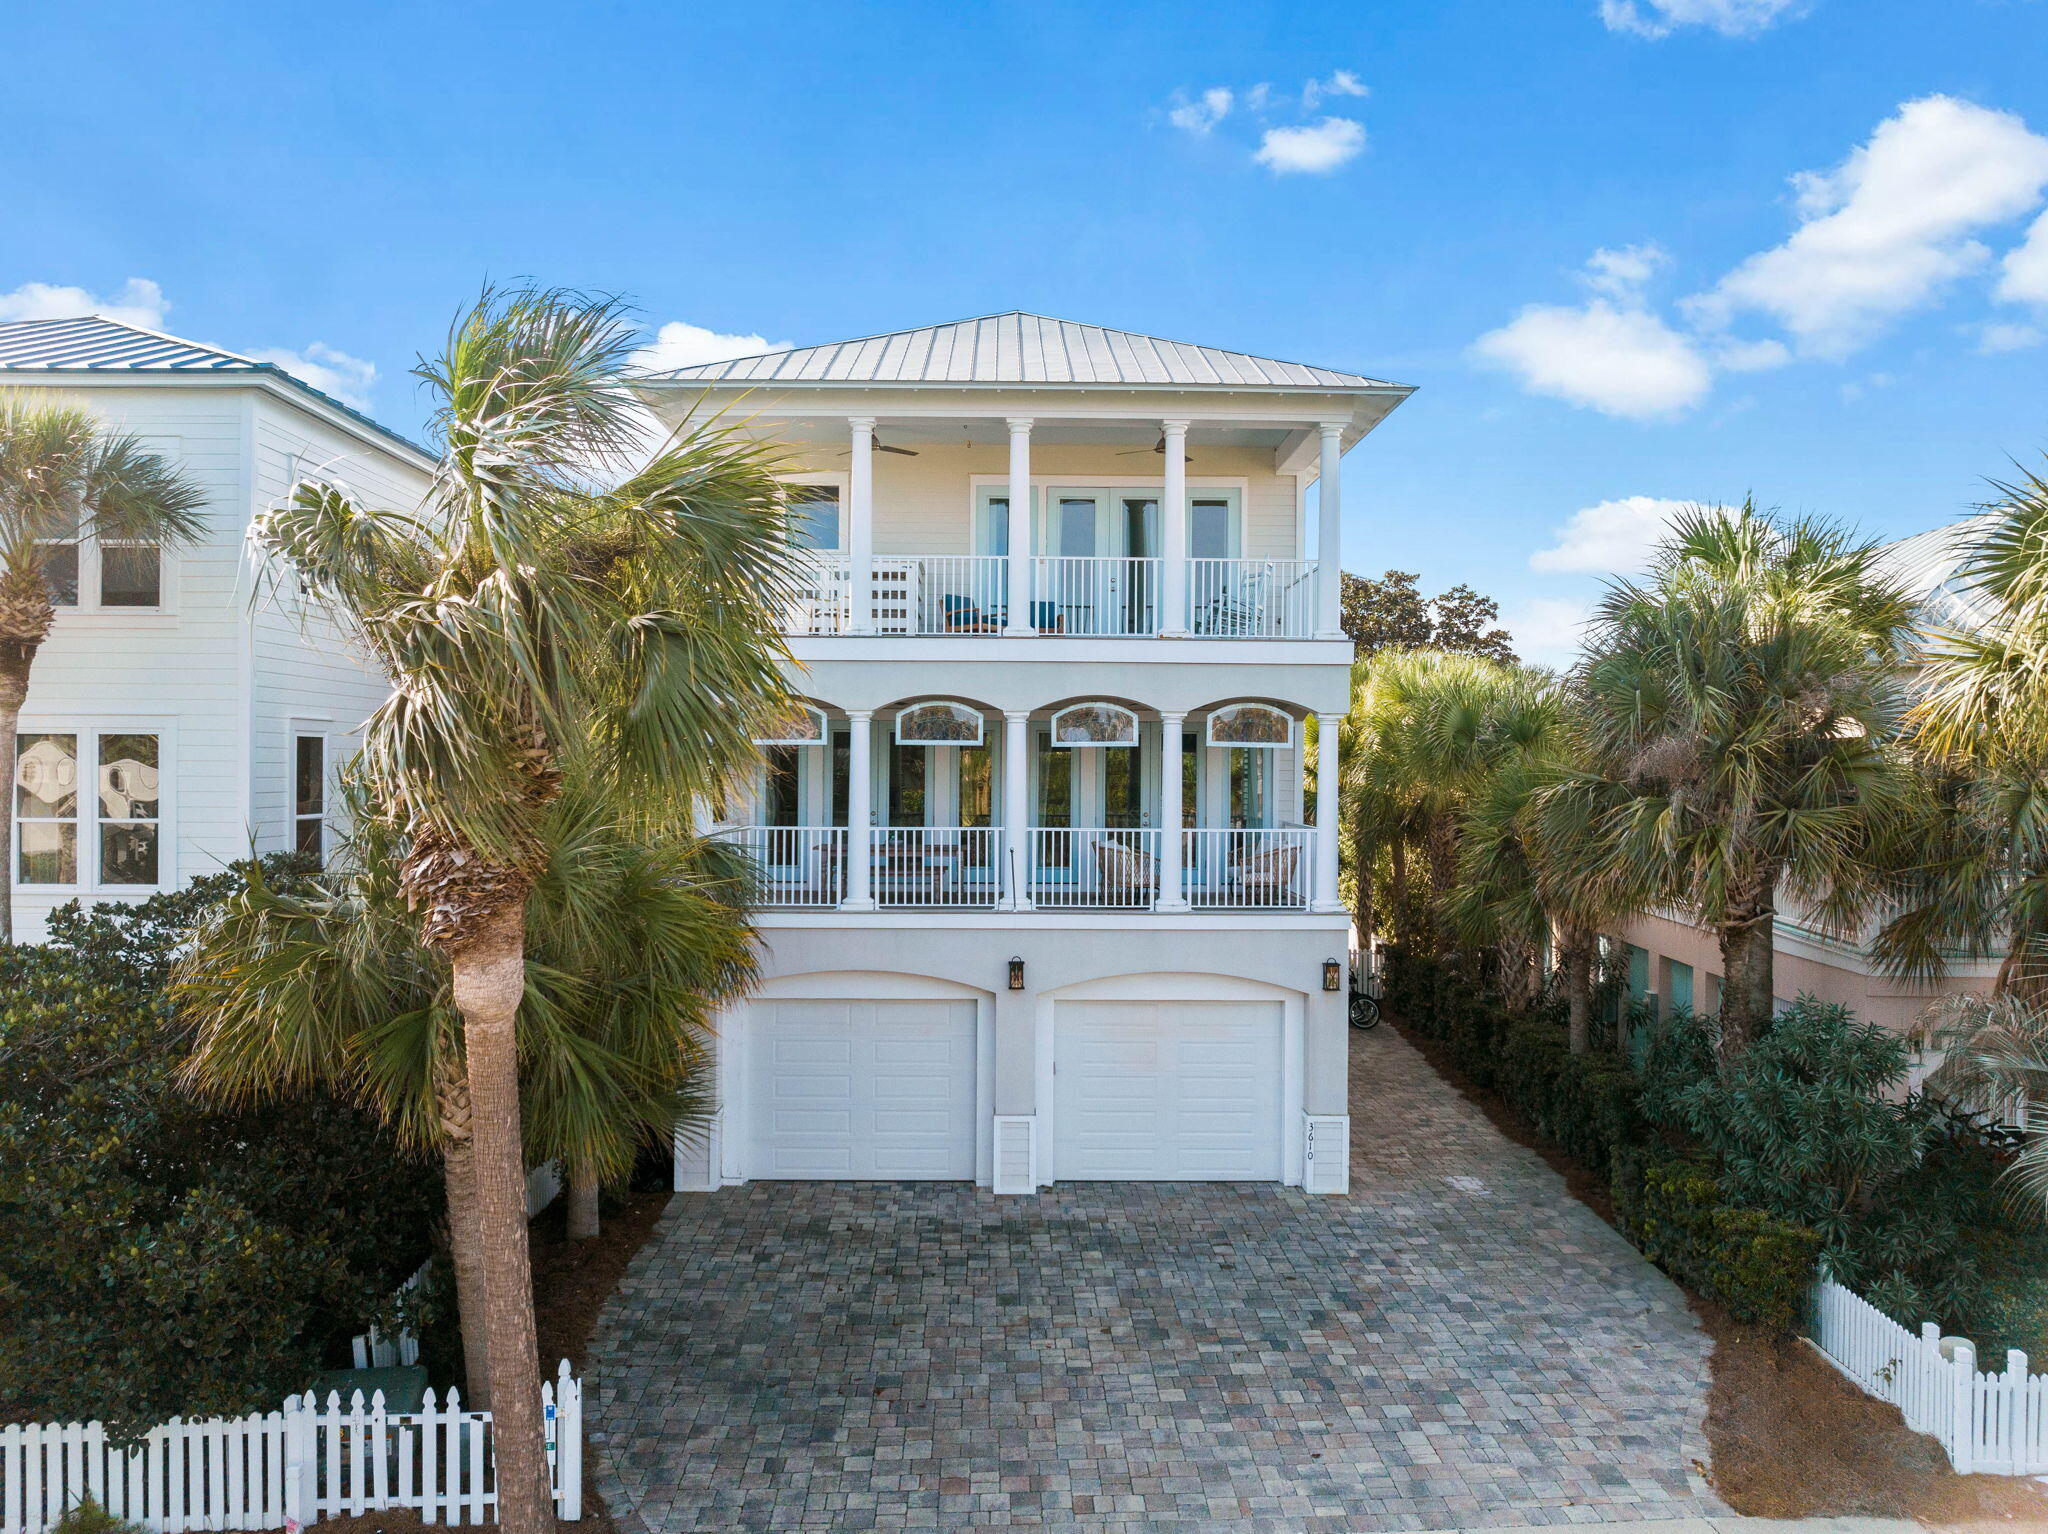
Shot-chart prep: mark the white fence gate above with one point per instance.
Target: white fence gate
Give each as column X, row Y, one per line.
column 301, row 1464
column 1994, row 1423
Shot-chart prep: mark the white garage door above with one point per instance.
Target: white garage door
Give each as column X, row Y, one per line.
column 874, row 1090
column 1167, row 1090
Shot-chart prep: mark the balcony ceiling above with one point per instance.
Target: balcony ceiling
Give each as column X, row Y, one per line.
column 984, row 432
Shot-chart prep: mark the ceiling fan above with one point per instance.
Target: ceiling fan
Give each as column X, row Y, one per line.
column 1158, row 447
column 883, row 447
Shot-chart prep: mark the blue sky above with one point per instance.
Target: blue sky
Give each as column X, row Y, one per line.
column 1633, row 253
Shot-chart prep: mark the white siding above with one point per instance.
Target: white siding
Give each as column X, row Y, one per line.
column 307, row 678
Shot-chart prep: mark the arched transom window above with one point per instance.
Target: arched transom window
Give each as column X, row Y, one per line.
column 803, row 725
column 1250, row 724
column 938, row 724
column 1094, row 724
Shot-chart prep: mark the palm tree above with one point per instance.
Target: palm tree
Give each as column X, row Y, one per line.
column 1996, row 1048
column 532, row 623
column 635, row 938
column 1739, row 707
column 1979, row 880
column 64, row 476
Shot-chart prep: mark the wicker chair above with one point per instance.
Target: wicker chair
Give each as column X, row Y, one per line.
column 1268, row 878
column 1129, row 875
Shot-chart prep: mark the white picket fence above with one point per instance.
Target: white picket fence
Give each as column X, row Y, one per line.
column 298, row 1465
column 374, row 1350
column 1991, row 1423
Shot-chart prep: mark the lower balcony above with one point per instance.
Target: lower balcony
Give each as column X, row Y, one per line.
column 1044, row 868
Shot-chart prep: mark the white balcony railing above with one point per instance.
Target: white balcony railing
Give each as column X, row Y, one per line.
column 959, row 593
column 820, row 602
column 795, row 865
column 1255, row 870
column 1061, row 868
column 1252, row 598
column 1097, row 598
column 944, row 867
column 1085, row 866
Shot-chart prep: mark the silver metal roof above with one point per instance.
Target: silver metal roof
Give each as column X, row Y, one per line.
column 1929, row 565
column 1020, row 348
column 92, row 344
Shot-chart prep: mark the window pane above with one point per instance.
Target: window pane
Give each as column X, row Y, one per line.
column 906, row 785
column 976, row 772
column 308, row 839
column 131, row 575
column 309, row 775
column 1121, row 806
column 1209, row 532
column 128, row 778
column 60, row 569
column 49, row 851
column 46, row 775
column 127, row 854
column 995, row 525
column 814, row 516
column 784, row 802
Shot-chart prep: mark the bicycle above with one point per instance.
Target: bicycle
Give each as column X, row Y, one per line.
column 1365, row 1011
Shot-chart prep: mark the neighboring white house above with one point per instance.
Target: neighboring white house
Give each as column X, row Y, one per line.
column 1680, row 962
column 1046, row 897
column 178, row 717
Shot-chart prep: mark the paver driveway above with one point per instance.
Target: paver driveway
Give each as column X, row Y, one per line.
column 1459, row 1342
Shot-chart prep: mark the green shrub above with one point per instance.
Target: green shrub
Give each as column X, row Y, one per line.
column 164, row 1256
column 86, row 1516
column 1587, row 1105
column 1756, row 1265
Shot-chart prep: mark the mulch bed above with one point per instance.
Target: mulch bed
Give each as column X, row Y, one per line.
column 1790, row 1437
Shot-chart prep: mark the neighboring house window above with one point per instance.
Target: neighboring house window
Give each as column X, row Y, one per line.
column 309, row 794
column 107, row 839
column 93, row 574
column 813, row 516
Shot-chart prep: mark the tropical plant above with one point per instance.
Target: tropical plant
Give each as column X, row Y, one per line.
column 1740, row 704
column 1978, row 880
column 635, row 938
column 532, row 622
column 1994, row 1051
column 166, row 1256
column 65, row 475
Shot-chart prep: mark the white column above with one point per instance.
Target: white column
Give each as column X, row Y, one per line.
column 1330, row 534
column 1328, row 797
column 860, row 530
column 1016, row 812
column 1019, row 569
column 1171, row 896
column 860, row 894
column 1173, row 532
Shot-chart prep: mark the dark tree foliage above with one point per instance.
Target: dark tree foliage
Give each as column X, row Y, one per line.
column 1392, row 614
column 160, row 1257
column 1812, row 1125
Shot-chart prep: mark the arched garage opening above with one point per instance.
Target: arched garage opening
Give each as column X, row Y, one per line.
column 1171, row 1077
column 857, row 1075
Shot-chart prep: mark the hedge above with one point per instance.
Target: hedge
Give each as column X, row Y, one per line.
column 1758, row 1266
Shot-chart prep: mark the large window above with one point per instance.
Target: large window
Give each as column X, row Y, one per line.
column 813, row 516
column 106, row 838
column 110, row 573
column 309, row 794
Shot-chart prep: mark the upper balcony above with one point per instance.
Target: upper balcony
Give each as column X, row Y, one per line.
column 1016, row 477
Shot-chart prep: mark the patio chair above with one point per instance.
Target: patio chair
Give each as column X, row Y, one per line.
column 962, row 615
column 1129, row 875
column 1267, row 877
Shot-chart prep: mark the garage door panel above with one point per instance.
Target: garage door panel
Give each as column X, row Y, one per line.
column 1167, row 1090
column 861, row 1090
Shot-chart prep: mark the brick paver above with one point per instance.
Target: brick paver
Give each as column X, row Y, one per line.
column 1458, row 1343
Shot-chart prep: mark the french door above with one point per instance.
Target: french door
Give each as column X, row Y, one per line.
column 1098, row 565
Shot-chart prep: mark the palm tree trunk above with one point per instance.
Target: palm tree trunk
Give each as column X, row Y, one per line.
column 582, row 1204
column 1577, row 963
column 489, row 973
column 14, row 664
column 1746, row 980
column 466, row 1256
column 1397, row 852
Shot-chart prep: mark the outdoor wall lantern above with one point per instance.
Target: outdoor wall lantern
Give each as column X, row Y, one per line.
column 1333, row 975
column 1016, row 973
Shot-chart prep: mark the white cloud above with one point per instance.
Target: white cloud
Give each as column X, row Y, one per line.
column 1548, row 629
column 1342, row 82
column 1731, row 18
column 1993, row 339
column 1623, row 273
column 2024, row 279
column 140, row 302
column 1615, row 358
column 1750, row 356
column 331, row 371
column 1314, row 150
column 1203, row 112
column 679, row 344
column 1882, row 233
column 1611, row 538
